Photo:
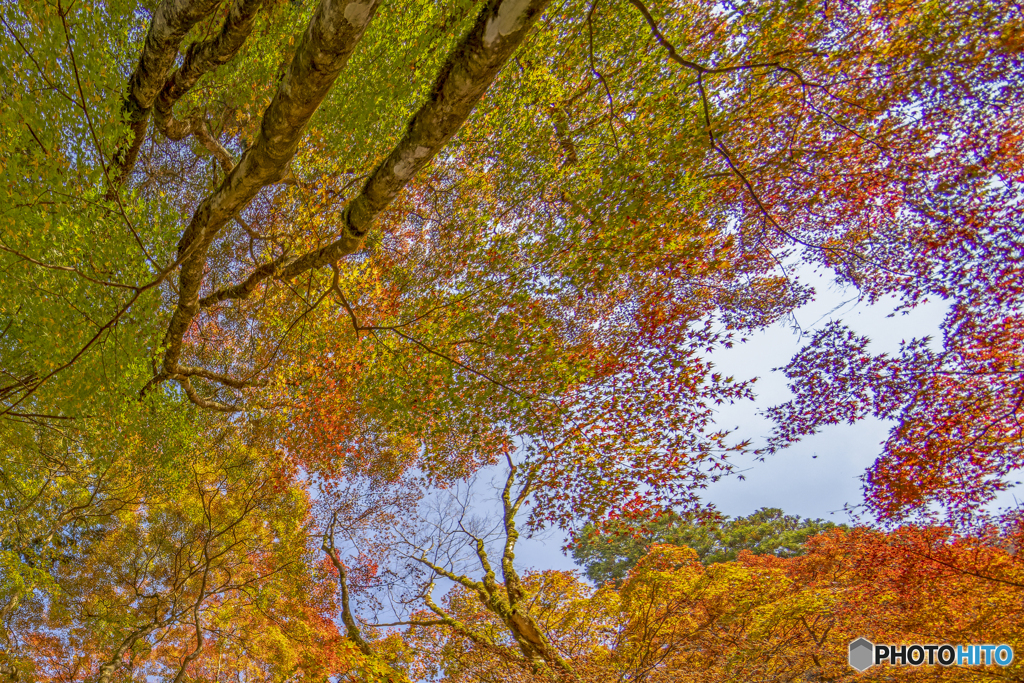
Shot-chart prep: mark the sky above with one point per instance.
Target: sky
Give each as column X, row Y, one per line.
column 815, row 478
column 820, row 475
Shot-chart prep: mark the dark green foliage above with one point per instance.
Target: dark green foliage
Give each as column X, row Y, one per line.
column 608, row 553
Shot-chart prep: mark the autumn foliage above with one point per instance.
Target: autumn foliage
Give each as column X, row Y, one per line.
column 760, row 618
column 282, row 284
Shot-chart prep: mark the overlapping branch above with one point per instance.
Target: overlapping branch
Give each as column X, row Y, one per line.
column 171, row 22
column 465, row 77
column 467, row 74
column 325, row 48
column 200, row 58
column 507, row 600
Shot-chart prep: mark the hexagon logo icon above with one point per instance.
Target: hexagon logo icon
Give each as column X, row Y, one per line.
column 862, row 654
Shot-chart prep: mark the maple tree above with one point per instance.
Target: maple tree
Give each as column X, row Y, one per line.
column 131, row 560
column 759, row 617
column 946, row 228
column 768, row 618
column 274, row 270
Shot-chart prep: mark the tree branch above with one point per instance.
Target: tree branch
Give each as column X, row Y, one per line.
column 324, row 49
column 351, row 628
column 467, row 74
column 200, row 58
column 172, row 20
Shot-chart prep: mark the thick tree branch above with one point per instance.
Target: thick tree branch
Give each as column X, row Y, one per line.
column 499, row 30
column 107, row 668
column 513, row 586
column 196, row 651
column 463, row 630
column 467, row 74
column 207, row 140
column 325, row 48
column 172, row 20
column 200, row 58
column 245, row 288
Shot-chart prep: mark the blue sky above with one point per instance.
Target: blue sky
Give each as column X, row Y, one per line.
column 820, row 475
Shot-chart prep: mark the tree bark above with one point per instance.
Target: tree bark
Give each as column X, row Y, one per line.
column 9, row 672
column 467, row 74
column 200, row 58
column 351, row 628
column 325, row 48
column 171, row 22
column 107, row 669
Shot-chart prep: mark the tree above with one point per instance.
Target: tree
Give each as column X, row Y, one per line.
column 608, row 553
column 762, row 617
column 165, row 564
column 521, row 639
column 577, row 623
column 949, row 225
column 284, row 245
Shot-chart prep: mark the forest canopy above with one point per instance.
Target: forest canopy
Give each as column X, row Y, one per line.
column 281, row 281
